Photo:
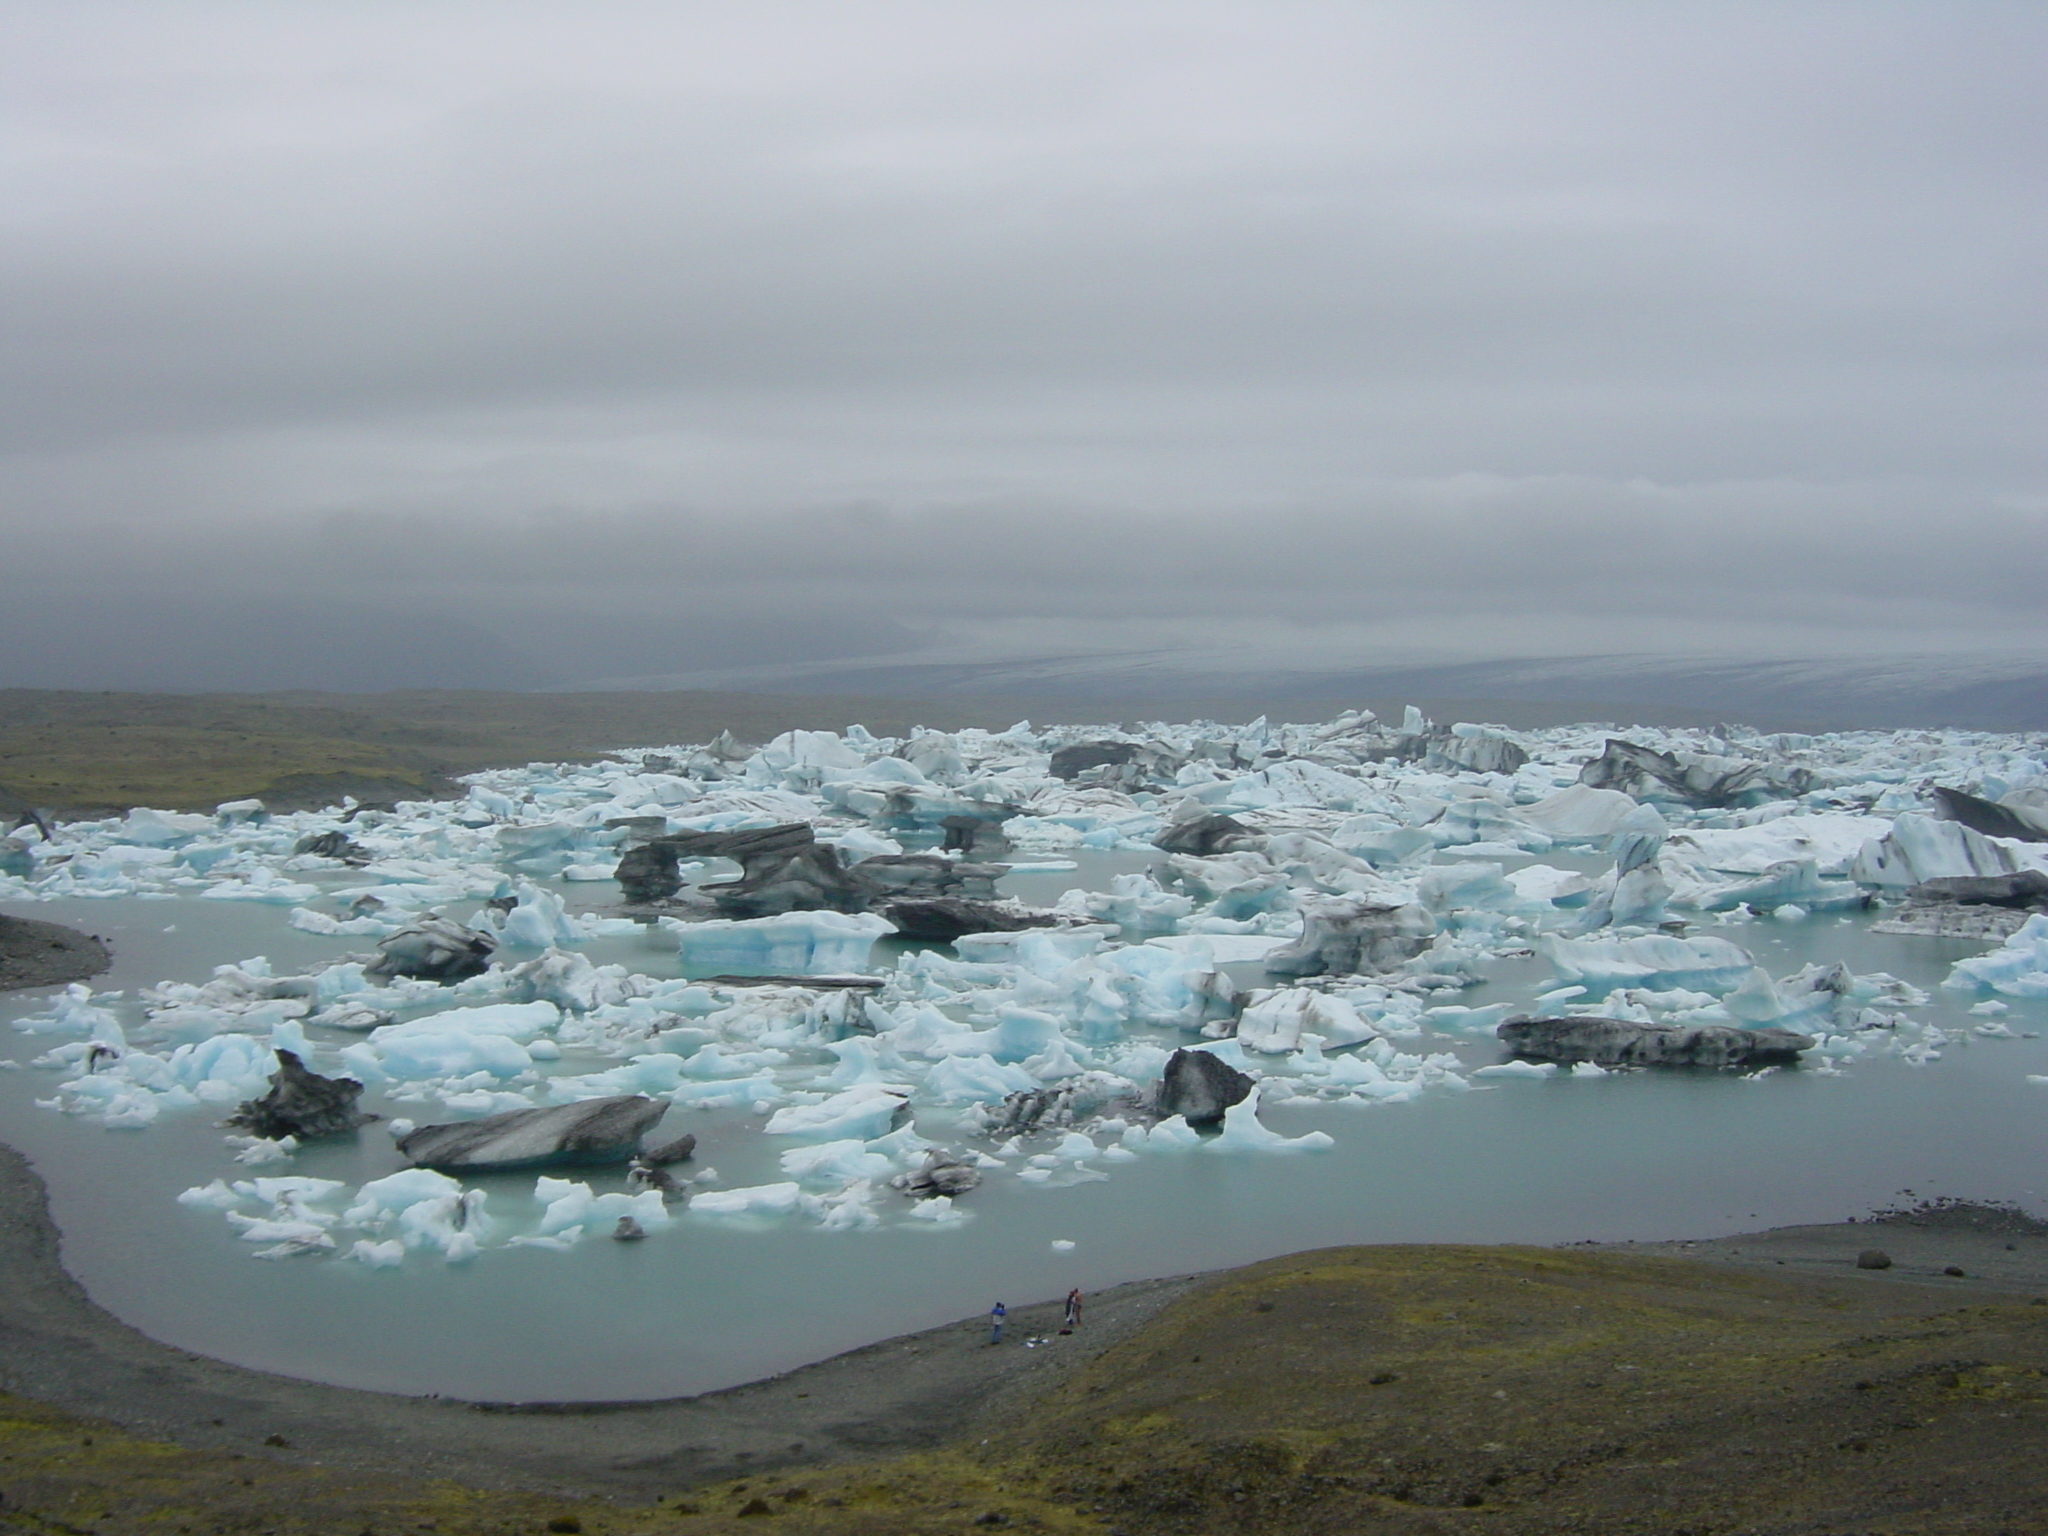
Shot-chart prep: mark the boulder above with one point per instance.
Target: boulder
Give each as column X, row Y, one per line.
column 1350, row 935
column 433, row 949
column 1873, row 1258
column 1626, row 1043
column 301, row 1104
column 593, row 1131
column 1199, row 1088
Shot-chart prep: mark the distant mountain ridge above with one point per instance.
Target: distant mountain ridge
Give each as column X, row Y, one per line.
column 1982, row 691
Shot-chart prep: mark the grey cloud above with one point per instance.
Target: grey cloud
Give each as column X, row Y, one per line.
column 819, row 321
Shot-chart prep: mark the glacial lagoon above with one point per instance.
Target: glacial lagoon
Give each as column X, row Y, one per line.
column 1934, row 1098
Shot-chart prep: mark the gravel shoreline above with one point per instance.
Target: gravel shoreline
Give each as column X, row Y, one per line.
column 34, row 953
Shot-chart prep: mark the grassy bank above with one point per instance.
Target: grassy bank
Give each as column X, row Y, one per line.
column 90, row 753
column 1437, row 1389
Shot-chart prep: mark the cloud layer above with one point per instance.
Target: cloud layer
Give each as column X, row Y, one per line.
column 689, row 336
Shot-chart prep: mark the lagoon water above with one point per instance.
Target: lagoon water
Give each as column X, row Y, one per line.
column 1640, row 1155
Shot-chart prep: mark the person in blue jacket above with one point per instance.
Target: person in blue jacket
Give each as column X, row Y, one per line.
column 996, row 1314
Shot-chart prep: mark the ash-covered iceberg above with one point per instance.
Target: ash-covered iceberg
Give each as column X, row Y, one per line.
column 593, row 1131
column 1628, row 1043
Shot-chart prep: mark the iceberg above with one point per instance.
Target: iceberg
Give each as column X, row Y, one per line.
column 755, row 1200
column 2017, row 968
column 1580, row 813
column 1347, row 936
column 1653, row 961
column 1920, row 848
column 1243, row 1132
column 860, row 1114
column 592, row 1131
column 1275, row 1023
column 792, row 944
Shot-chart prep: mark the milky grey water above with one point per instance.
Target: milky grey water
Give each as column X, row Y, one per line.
column 1636, row 1155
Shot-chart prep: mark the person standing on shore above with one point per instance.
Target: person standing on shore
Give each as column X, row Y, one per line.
column 1073, row 1310
column 996, row 1314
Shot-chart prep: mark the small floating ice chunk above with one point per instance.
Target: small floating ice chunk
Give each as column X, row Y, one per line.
column 257, row 1151
column 378, row 1201
column 1469, row 1021
column 215, row 1196
column 75, row 1014
column 1062, row 1245
column 1243, row 1132
column 861, row 1113
column 1172, row 1134
column 974, row 1080
column 939, row 1211
column 1518, row 1069
column 1276, row 1021
column 753, row 1200
column 836, row 1163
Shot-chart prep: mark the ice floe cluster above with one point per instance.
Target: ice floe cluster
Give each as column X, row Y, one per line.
column 1304, row 903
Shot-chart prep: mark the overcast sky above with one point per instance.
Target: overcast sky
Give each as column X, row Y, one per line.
column 508, row 343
